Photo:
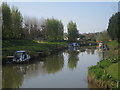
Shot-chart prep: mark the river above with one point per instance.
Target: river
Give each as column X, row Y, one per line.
column 66, row 69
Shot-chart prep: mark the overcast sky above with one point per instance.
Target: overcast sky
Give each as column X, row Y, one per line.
column 89, row 16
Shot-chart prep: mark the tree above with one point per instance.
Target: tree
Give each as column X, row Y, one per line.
column 6, row 24
column 103, row 36
column 16, row 23
column 53, row 30
column 0, row 23
column 114, row 27
column 82, row 36
column 72, row 31
column 33, row 28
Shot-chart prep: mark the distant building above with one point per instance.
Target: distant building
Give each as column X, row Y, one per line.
column 65, row 38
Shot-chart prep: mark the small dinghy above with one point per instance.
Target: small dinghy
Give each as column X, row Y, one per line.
column 21, row 56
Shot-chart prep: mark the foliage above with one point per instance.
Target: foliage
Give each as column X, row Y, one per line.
column 97, row 71
column 6, row 19
column 113, row 70
column 10, row 46
column 33, row 28
column 82, row 36
column 16, row 23
column 104, row 63
column 53, row 30
column 72, row 31
column 16, row 27
column 12, row 22
column 103, row 36
column 113, row 44
column 114, row 26
column 106, row 71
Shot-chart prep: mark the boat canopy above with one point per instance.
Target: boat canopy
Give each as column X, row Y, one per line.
column 20, row 51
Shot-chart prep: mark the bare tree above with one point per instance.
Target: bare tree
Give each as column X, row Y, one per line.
column 33, row 28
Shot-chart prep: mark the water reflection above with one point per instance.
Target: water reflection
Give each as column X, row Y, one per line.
column 15, row 76
column 105, row 54
column 73, row 57
column 90, row 50
column 54, row 63
column 11, row 78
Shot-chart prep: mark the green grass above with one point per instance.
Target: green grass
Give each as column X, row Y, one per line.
column 95, row 70
column 9, row 46
column 98, row 70
column 113, row 70
column 104, row 63
column 112, row 44
column 107, row 69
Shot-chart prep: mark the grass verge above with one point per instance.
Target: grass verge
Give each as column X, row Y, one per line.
column 9, row 46
column 105, row 73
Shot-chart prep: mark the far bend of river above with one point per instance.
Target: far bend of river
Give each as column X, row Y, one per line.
column 67, row 69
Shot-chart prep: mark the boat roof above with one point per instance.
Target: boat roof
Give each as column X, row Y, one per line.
column 20, row 51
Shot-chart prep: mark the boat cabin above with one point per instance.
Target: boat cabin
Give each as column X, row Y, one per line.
column 21, row 56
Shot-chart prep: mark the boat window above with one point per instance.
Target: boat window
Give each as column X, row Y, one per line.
column 18, row 54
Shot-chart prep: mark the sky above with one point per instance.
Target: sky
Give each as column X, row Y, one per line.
column 89, row 16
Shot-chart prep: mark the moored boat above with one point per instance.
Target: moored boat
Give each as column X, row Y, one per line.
column 21, row 56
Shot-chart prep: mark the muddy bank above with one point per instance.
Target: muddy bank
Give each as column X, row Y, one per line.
column 100, row 83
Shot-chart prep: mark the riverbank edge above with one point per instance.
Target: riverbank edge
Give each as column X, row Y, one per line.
column 105, row 80
column 42, row 49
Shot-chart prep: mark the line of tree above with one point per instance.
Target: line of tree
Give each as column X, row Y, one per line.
column 15, row 26
column 32, row 28
column 114, row 27
column 11, row 22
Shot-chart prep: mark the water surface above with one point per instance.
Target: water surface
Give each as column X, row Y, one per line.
column 66, row 69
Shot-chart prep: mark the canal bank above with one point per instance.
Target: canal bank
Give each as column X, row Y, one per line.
column 105, row 73
column 33, row 48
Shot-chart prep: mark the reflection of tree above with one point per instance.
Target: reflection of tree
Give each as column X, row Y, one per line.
column 54, row 63
column 73, row 59
column 13, row 75
column 82, row 49
column 31, row 70
column 11, row 78
column 90, row 50
column 108, row 54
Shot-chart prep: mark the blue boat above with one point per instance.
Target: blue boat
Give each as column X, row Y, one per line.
column 21, row 56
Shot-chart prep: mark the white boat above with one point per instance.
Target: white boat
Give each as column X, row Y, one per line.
column 21, row 56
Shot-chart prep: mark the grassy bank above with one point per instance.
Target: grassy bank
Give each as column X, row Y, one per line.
column 9, row 46
column 105, row 73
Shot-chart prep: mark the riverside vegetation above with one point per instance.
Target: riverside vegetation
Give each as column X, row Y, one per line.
column 105, row 73
column 32, row 46
column 25, row 33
